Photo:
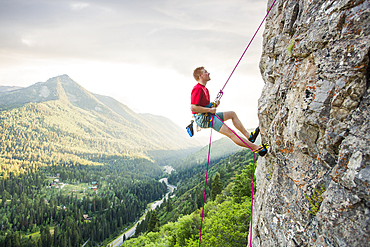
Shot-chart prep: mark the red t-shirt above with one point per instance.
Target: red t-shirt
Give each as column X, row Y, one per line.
column 200, row 96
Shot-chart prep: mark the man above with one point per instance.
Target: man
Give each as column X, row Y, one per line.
column 204, row 112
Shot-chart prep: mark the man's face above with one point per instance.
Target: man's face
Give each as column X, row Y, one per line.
column 205, row 75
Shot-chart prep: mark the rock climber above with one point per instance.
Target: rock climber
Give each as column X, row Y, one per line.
column 204, row 112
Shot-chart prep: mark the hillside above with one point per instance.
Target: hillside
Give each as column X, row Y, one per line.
column 8, row 88
column 59, row 118
column 219, row 149
column 196, row 163
column 227, row 209
column 190, row 182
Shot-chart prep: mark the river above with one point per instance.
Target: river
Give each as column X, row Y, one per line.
column 119, row 240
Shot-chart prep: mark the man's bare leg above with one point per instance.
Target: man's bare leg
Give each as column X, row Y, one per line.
column 227, row 132
column 236, row 122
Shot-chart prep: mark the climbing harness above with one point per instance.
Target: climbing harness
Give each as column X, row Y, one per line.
column 206, row 119
column 203, row 120
column 218, row 98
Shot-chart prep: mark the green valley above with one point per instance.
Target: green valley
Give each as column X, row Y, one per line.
column 77, row 168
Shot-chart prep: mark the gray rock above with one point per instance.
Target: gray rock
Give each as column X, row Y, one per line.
column 314, row 111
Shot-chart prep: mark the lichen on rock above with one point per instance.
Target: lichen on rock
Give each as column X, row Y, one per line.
column 314, row 111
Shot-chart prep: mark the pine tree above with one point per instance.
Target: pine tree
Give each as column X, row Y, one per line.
column 216, row 187
column 154, row 224
column 48, row 236
column 169, row 206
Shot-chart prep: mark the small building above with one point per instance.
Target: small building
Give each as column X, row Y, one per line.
column 86, row 217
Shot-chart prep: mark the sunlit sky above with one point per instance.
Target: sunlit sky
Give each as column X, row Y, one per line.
column 141, row 52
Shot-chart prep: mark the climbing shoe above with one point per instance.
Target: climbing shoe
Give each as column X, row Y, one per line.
column 262, row 151
column 254, row 135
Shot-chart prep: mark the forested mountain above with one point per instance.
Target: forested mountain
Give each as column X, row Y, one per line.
column 104, row 111
column 59, row 121
column 76, row 166
column 8, row 88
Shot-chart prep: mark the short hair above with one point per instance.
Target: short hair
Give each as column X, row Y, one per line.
column 197, row 72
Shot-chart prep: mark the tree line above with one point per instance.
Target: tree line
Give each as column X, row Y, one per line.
column 28, row 206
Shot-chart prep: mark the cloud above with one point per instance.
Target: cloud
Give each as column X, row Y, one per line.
column 78, row 6
column 155, row 32
column 163, row 35
column 27, row 42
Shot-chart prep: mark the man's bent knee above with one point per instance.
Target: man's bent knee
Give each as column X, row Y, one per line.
column 229, row 115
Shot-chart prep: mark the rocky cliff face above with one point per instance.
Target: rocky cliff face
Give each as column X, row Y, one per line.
column 313, row 187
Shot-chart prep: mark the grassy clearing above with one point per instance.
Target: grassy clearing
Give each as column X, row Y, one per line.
column 79, row 190
column 37, row 234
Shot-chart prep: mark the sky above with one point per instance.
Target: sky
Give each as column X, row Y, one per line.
column 140, row 52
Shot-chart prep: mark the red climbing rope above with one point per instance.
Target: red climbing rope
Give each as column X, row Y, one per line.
column 220, row 94
column 218, row 98
column 254, row 157
column 205, row 185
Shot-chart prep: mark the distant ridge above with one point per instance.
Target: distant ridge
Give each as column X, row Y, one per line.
column 70, row 108
column 8, row 88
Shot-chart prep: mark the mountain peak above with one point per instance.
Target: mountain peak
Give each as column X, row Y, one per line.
column 61, row 87
column 38, row 92
column 99, row 115
column 61, row 79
